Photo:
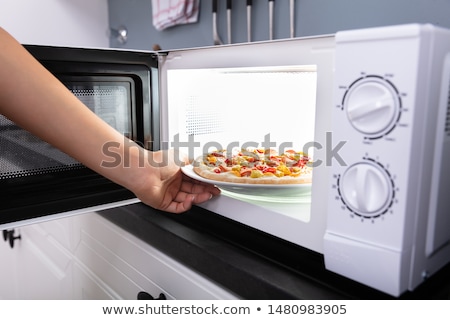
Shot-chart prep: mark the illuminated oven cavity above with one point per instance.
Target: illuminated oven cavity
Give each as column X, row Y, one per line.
column 229, row 108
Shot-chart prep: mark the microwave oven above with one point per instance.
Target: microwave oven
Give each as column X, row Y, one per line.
column 370, row 106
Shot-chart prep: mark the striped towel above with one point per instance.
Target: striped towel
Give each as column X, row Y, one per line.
column 169, row 13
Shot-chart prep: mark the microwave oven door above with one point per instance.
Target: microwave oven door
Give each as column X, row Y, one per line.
column 39, row 182
column 268, row 94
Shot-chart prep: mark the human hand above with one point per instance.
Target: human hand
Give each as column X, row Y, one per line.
column 170, row 190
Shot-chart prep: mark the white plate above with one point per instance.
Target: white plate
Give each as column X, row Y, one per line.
column 259, row 190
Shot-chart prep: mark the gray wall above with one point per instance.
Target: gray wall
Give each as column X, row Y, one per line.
column 313, row 17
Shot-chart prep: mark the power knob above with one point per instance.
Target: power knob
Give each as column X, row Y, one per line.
column 372, row 105
column 366, row 189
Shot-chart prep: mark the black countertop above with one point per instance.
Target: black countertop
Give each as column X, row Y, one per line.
column 250, row 263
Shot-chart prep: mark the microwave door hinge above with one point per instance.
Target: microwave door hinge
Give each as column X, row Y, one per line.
column 160, row 56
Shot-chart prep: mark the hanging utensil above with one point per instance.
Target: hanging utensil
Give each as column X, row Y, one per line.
column 216, row 37
column 249, row 20
column 229, row 20
column 292, row 17
column 271, row 19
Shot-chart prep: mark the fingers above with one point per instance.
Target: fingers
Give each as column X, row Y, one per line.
column 181, row 195
column 184, row 201
column 191, row 193
column 194, row 186
column 196, row 193
column 178, row 207
column 200, row 188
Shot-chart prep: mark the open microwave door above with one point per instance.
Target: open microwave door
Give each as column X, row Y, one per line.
column 270, row 94
column 37, row 181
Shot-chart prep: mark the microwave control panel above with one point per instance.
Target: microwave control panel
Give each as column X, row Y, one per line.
column 374, row 118
column 389, row 113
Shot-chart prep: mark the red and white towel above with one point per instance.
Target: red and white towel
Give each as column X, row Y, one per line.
column 169, row 13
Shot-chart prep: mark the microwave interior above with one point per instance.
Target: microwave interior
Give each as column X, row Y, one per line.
column 247, row 107
column 37, row 179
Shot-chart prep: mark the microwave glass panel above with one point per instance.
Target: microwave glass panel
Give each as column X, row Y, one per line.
column 228, row 108
column 23, row 154
column 109, row 100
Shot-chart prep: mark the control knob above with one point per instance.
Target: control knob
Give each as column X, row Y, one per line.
column 366, row 189
column 372, row 106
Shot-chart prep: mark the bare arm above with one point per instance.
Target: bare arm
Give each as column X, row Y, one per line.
column 35, row 100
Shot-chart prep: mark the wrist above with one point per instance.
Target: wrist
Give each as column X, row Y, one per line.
column 128, row 165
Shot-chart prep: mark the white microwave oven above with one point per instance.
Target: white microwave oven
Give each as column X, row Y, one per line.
column 370, row 106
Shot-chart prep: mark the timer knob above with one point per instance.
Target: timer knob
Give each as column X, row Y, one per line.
column 372, row 105
column 366, row 189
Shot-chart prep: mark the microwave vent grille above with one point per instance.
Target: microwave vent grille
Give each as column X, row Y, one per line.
column 23, row 154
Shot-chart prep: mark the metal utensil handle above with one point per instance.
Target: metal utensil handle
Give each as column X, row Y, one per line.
column 229, row 20
column 292, row 17
column 216, row 38
column 249, row 20
column 271, row 19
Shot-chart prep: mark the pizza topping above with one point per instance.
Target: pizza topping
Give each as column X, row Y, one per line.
column 255, row 166
column 255, row 173
column 259, row 163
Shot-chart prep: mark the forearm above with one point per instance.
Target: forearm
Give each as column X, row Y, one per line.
column 35, row 100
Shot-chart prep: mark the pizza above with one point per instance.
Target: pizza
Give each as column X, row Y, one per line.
column 255, row 166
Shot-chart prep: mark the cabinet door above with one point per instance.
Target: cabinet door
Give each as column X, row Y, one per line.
column 39, row 265
column 112, row 263
column 8, row 272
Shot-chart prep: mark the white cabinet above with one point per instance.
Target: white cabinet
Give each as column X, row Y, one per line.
column 88, row 257
column 39, row 265
column 114, row 264
column 8, row 274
